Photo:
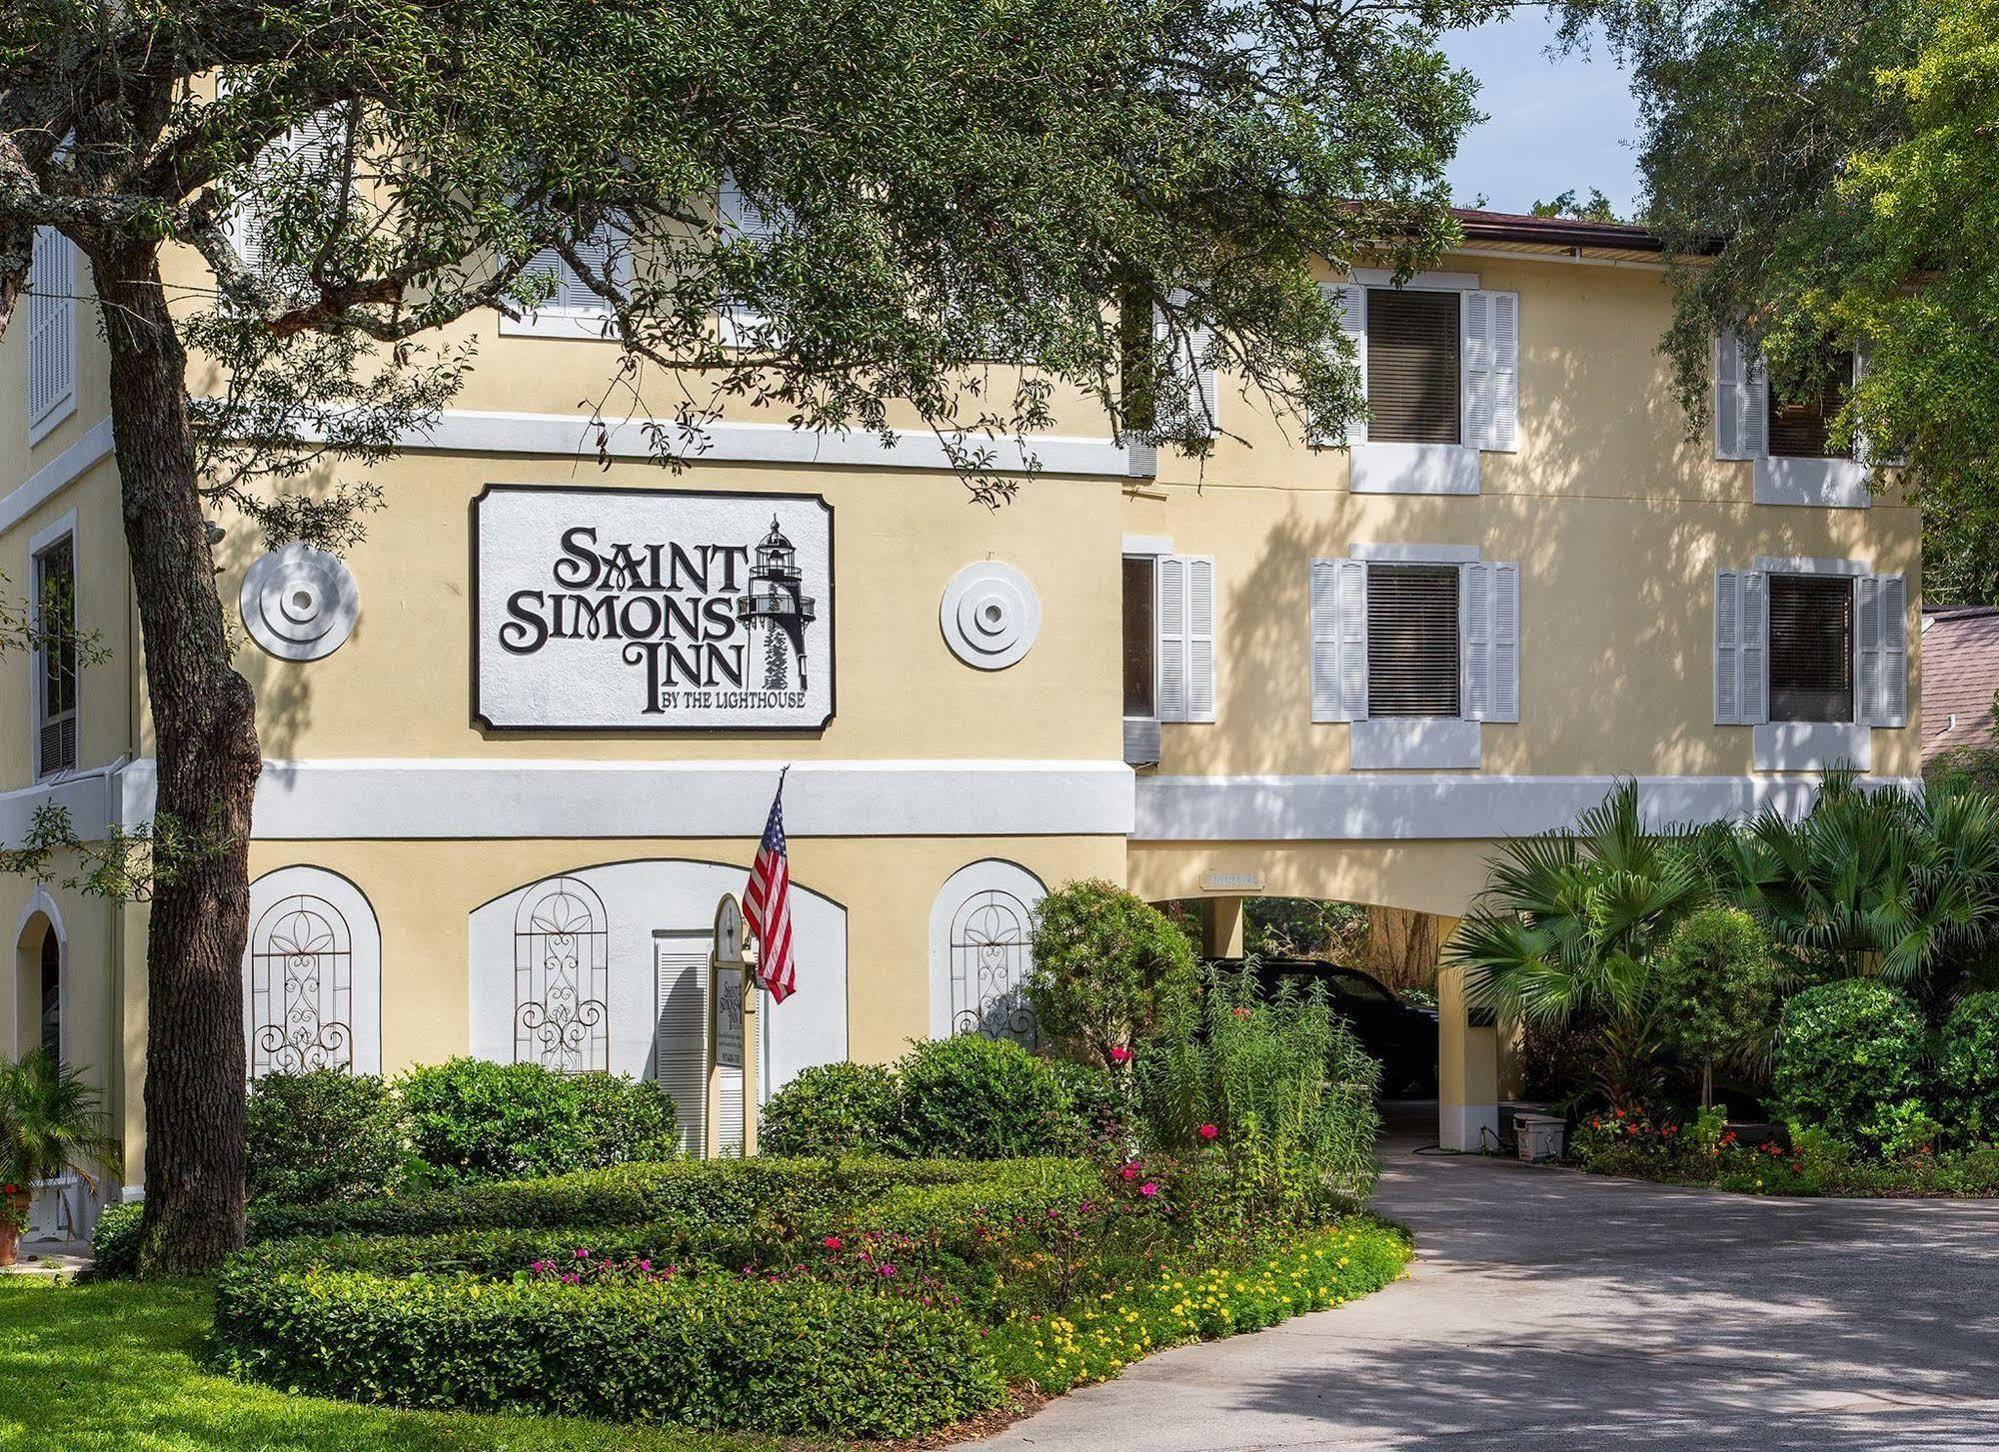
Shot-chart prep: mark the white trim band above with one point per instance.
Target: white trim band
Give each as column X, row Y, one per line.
column 1414, row 554
column 1434, row 807
column 1396, row 468
column 58, row 474
column 565, row 435
column 359, row 800
column 1809, row 565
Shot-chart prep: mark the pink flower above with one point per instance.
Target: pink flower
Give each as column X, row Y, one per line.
column 1149, row 1188
column 1130, row 1172
column 1209, row 1131
column 831, row 1242
column 582, row 1254
column 1120, row 1054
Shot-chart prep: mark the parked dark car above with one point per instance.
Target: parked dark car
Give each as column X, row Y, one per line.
column 1401, row 1036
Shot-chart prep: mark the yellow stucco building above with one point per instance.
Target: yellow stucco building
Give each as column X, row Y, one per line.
column 525, row 735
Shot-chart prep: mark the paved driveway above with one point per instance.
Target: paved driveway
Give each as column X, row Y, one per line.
column 1548, row 1309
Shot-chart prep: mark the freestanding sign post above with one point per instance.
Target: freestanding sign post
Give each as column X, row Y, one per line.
column 732, row 1037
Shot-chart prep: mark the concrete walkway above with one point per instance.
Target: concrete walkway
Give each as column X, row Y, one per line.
column 1547, row 1309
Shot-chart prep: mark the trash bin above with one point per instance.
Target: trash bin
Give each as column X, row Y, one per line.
column 1539, row 1136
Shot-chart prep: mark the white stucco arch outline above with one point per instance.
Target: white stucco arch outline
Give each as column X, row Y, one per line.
column 300, row 881
column 677, row 896
column 987, row 875
column 42, row 905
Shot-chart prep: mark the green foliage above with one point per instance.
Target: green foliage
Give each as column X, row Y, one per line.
column 1847, row 1053
column 1109, row 969
column 714, row 1192
column 1101, row 1102
column 51, row 1123
column 1832, row 168
column 1968, row 1069
column 113, row 1368
column 1717, row 989
column 323, row 1134
column 1182, row 1301
column 831, row 1109
column 1966, row 768
column 1277, row 1099
column 1301, row 927
column 1903, row 885
column 1568, row 923
column 791, row 1356
column 114, row 1241
column 1596, row 208
column 975, row 1098
column 470, row 1120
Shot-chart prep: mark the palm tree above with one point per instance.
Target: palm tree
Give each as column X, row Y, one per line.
column 1570, row 920
column 1876, row 882
column 51, row 1123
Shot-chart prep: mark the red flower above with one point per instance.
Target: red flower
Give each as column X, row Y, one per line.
column 1149, row 1188
column 1120, row 1054
column 1130, row 1172
column 1209, row 1131
column 831, row 1242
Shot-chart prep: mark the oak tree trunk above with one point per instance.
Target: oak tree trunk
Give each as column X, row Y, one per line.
column 205, row 740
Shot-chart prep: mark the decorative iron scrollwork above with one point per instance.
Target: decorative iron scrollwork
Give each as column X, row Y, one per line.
column 561, row 977
column 991, row 952
column 301, row 988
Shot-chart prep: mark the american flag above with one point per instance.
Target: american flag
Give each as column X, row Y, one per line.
column 767, row 905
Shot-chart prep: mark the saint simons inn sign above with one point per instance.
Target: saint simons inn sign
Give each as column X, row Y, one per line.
column 653, row 609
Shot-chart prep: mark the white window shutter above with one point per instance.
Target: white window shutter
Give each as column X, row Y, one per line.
column 1491, row 351
column 1200, row 638
column 1348, row 300
column 1755, row 643
column 1190, row 395
column 1727, row 647
column 1475, row 641
column 1741, row 400
column 1880, row 647
column 1741, row 630
column 1353, row 638
column 1325, row 583
column 51, row 322
column 1475, row 355
column 1505, row 642
column 1172, row 619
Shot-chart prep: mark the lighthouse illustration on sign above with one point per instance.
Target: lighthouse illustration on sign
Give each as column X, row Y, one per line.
column 776, row 602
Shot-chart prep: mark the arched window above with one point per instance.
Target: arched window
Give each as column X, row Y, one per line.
column 561, row 977
column 981, row 948
column 312, row 975
column 51, row 993
column 301, row 988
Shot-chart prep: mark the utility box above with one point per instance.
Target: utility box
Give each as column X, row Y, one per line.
column 1539, row 1136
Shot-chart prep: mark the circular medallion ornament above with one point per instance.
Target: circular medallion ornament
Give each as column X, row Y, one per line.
column 990, row 615
column 300, row 603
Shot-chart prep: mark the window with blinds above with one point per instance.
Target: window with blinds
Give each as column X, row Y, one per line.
column 1141, row 635
column 55, row 657
column 1811, row 648
column 1413, row 378
column 1798, row 430
column 1412, row 640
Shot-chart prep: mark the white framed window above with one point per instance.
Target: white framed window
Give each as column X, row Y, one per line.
column 53, row 667
column 573, row 308
column 1168, row 640
column 1415, row 646
column 1795, row 461
column 51, row 324
column 1813, row 654
column 1440, row 361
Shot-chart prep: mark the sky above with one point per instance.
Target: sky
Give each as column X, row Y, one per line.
column 1555, row 125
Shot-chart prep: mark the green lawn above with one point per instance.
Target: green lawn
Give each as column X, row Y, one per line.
column 104, row 1367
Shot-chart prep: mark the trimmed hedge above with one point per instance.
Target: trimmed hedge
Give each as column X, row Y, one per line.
column 474, row 1120
column 831, row 1109
column 323, row 1134
column 971, row 1097
column 727, row 1352
column 717, row 1192
column 1968, row 1068
column 954, row 1218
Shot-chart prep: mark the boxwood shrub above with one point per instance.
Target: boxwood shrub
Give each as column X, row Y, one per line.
column 971, row 1097
column 1847, row 1051
column 1968, row 1069
column 731, row 1352
column 471, row 1119
column 831, row 1109
column 323, row 1134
